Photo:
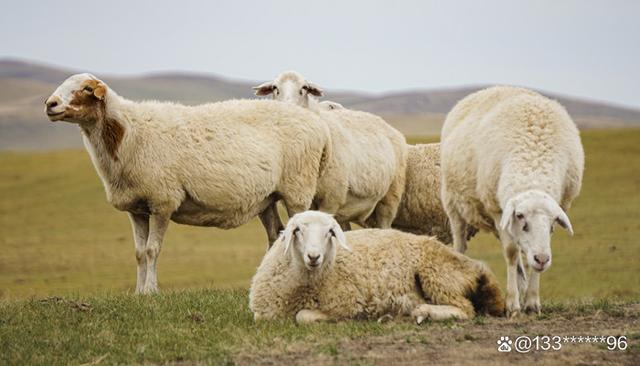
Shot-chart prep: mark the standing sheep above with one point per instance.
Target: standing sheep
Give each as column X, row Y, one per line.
column 365, row 179
column 421, row 210
column 512, row 163
column 217, row 164
column 374, row 274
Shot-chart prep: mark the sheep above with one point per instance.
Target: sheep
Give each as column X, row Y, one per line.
column 420, row 211
column 512, row 163
column 328, row 105
column 293, row 88
column 217, row 164
column 368, row 170
column 377, row 273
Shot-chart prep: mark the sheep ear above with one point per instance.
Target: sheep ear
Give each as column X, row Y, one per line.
column 338, row 235
column 507, row 215
column 264, row 88
column 314, row 90
column 563, row 220
column 100, row 91
column 288, row 235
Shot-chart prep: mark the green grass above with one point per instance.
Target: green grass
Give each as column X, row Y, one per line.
column 58, row 235
column 67, row 271
column 205, row 325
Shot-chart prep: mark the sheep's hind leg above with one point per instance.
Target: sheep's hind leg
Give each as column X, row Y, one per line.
column 140, row 225
column 437, row 313
column 271, row 221
column 158, row 224
column 458, row 231
column 306, row 316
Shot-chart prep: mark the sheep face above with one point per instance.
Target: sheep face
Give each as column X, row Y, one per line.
column 312, row 237
column 79, row 99
column 289, row 87
column 528, row 219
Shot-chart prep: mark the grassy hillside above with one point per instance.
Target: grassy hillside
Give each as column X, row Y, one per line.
column 59, row 236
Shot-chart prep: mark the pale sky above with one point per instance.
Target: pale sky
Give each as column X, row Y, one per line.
column 582, row 48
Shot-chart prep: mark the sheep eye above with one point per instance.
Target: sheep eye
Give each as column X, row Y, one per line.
column 519, row 216
column 551, row 230
column 296, row 230
column 88, row 89
column 300, row 92
column 331, row 232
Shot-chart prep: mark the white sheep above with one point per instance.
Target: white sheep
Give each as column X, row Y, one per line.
column 420, row 211
column 293, row 88
column 367, row 172
column 375, row 273
column 217, row 164
column 328, row 105
column 512, row 163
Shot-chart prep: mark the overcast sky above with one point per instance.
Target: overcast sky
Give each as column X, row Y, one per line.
column 583, row 48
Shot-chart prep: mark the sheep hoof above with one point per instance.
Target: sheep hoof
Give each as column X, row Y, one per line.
column 385, row 318
column 513, row 313
column 532, row 309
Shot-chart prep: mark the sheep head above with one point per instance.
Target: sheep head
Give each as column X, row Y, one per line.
column 289, row 87
column 312, row 237
column 528, row 219
column 79, row 99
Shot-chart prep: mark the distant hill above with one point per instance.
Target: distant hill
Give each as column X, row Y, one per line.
column 25, row 85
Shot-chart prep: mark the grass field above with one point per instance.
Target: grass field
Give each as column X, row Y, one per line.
column 58, row 235
column 67, row 270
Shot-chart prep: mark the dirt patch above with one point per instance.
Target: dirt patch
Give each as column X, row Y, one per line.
column 475, row 342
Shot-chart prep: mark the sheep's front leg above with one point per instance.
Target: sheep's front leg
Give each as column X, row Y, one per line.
column 306, row 316
column 511, row 256
column 158, row 224
column 437, row 313
column 532, row 296
column 140, row 225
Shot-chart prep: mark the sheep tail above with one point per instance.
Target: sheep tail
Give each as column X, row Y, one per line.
column 487, row 297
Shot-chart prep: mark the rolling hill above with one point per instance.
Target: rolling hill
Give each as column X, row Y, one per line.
column 25, row 85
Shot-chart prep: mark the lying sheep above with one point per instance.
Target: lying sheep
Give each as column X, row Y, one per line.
column 512, row 163
column 374, row 274
column 421, row 210
column 367, row 172
column 217, row 164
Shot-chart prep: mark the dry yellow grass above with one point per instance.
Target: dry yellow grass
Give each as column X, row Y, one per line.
column 58, row 235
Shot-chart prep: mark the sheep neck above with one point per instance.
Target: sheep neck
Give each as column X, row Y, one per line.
column 106, row 135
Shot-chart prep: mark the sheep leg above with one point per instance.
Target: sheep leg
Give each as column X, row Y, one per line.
column 306, row 316
column 532, row 295
column 387, row 208
column 271, row 221
column 140, row 225
column 458, row 231
column 511, row 256
column 345, row 226
column 437, row 313
column 158, row 224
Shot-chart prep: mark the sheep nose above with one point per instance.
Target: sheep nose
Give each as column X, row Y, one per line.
column 541, row 259
column 313, row 258
column 52, row 102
